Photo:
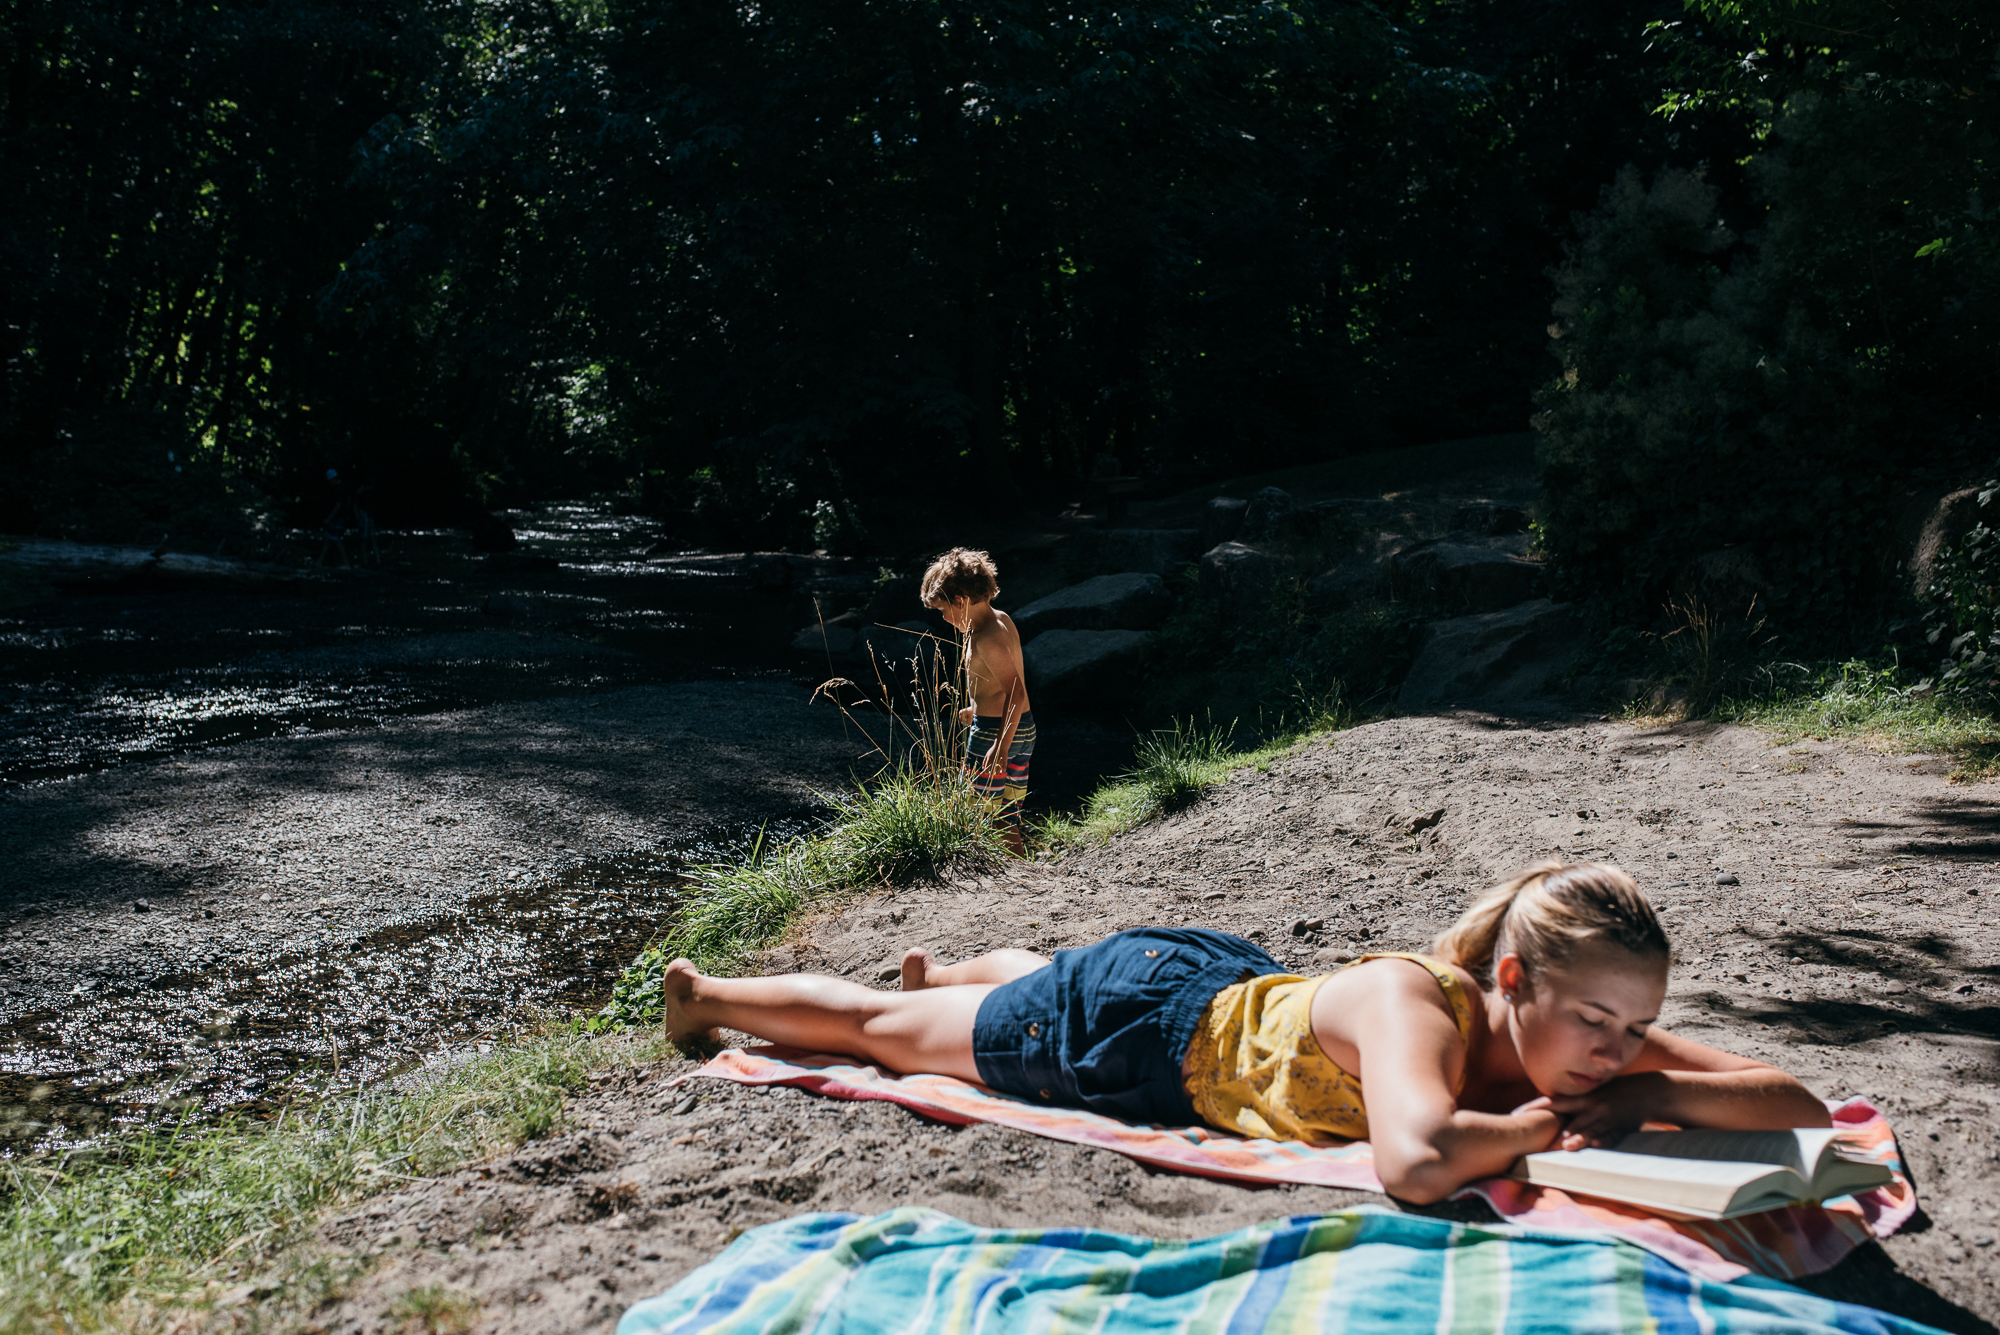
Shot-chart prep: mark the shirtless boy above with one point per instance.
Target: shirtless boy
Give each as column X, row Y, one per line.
column 962, row 584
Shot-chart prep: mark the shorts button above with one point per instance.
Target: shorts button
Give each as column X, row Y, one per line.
column 1034, row 1031
column 1045, row 1094
column 1152, row 954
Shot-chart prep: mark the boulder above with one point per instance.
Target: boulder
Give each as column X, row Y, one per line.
column 36, row 564
column 1489, row 519
column 1077, row 665
column 1235, row 573
column 1945, row 524
column 1131, row 601
column 1493, row 657
column 1223, row 520
column 829, row 639
column 1153, row 551
column 1331, row 519
column 1365, row 574
column 1472, row 577
column 1261, row 517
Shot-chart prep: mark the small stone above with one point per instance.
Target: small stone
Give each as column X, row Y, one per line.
column 1727, row 878
column 141, row 906
column 1216, row 894
column 1306, row 926
column 889, row 973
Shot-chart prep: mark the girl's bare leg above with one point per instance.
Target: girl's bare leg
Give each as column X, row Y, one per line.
column 910, row 1033
column 920, row 971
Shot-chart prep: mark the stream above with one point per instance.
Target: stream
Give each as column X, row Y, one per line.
column 216, row 891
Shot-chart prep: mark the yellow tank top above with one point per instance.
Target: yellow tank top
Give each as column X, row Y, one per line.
column 1255, row 1069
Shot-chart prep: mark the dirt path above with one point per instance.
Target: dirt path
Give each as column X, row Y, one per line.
column 1834, row 912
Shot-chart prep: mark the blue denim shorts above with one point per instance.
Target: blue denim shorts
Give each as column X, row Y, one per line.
column 1106, row 1027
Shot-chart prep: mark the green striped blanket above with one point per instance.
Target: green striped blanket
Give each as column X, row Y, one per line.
column 1361, row 1271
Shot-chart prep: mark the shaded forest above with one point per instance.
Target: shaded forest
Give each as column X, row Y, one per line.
column 773, row 271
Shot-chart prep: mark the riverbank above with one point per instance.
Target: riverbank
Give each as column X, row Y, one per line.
column 1831, row 910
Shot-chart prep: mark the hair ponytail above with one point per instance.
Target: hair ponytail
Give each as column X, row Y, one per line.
column 1546, row 913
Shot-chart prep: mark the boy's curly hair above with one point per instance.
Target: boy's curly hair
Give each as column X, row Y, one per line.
column 961, row 572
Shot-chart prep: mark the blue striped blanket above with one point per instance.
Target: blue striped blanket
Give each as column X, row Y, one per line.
column 1361, row 1271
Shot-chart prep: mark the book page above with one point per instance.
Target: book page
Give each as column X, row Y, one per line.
column 1706, row 1186
column 1799, row 1150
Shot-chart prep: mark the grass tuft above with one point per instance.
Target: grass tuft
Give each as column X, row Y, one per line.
column 1874, row 705
column 434, row 1309
column 1173, row 766
column 202, row 1219
column 913, row 823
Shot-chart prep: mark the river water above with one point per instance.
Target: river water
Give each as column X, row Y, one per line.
column 216, row 891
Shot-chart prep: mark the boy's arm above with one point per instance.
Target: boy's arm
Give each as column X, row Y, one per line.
column 1010, row 681
column 1016, row 685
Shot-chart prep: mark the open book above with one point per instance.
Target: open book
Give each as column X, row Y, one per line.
column 1709, row 1174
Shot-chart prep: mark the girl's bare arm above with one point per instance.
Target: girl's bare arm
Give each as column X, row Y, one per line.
column 1426, row 1147
column 1686, row 1083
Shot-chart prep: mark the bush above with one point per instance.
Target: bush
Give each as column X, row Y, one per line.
column 1783, row 387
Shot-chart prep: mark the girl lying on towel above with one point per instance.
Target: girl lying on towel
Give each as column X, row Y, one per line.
column 1529, row 1026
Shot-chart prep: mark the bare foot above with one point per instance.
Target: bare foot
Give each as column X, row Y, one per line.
column 675, row 989
column 917, row 967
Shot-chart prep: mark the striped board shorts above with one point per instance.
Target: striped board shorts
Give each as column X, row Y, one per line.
column 1004, row 792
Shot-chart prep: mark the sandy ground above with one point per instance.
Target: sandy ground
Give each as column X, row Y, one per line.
column 1833, row 912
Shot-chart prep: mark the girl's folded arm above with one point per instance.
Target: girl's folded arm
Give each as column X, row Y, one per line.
column 1685, row 1083
column 1412, row 1059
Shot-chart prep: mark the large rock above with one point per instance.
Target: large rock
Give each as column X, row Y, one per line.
column 1331, row 519
column 1489, row 518
column 839, row 641
column 1944, row 526
column 1223, row 520
column 1365, row 574
column 1465, row 576
column 1491, row 658
column 1131, row 601
column 1079, row 665
column 1267, row 506
column 1237, row 574
column 1152, row 551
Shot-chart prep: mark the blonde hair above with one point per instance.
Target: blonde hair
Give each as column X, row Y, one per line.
column 1547, row 912
column 962, row 572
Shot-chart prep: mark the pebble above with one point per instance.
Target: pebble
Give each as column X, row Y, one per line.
column 1727, row 878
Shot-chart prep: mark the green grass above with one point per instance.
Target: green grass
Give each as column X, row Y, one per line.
column 912, row 823
column 145, row 1228
column 1875, row 705
column 1173, row 766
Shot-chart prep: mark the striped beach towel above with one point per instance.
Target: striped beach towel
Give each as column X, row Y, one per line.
column 1786, row 1244
column 1366, row 1271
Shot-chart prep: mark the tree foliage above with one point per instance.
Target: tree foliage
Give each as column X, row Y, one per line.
column 781, row 267
column 174, row 198
column 1783, row 385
